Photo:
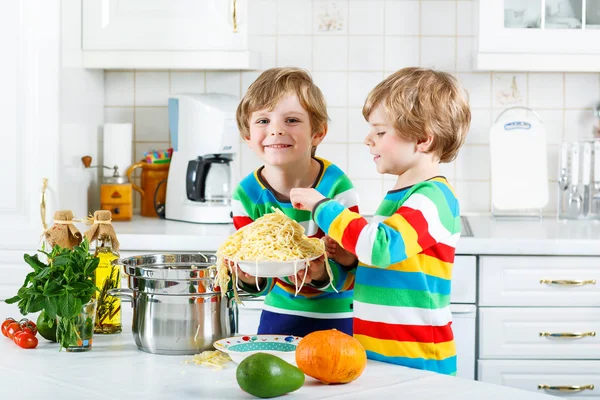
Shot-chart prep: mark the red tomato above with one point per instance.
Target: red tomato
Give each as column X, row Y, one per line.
column 5, row 324
column 25, row 323
column 13, row 328
column 26, row 341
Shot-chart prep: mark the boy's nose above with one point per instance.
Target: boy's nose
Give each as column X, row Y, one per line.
column 368, row 140
column 278, row 133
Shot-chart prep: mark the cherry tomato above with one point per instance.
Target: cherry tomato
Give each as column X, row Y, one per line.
column 16, row 336
column 13, row 328
column 25, row 323
column 5, row 324
column 26, row 341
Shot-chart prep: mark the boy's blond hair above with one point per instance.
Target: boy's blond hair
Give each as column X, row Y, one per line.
column 266, row 91
column 422, row 102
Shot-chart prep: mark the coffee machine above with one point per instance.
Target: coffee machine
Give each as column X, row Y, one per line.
column 205, row 138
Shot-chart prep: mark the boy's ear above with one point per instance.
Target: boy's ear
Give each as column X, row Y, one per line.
column 318, row 137
column 423, row 146
column 247, row 140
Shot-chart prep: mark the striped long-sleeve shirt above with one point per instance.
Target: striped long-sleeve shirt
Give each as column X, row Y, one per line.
column 402, row 287
column 319, row 308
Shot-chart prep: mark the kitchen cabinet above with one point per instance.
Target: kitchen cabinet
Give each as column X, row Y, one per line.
column 166, row 34
column 538, row 35
column 538, row 322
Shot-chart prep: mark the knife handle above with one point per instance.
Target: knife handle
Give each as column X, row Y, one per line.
column 597, row 161
column 587, row 162
column 575, row 166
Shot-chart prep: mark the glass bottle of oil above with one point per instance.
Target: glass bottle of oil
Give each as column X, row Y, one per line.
column 107, row 276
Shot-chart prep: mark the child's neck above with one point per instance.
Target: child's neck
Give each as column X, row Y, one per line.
column 298, row 175
column 418, row 173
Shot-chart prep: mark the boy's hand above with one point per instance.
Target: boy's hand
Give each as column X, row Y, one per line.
column 242, row 276
column 314, row 272
column 305, row 199
column 338, row 253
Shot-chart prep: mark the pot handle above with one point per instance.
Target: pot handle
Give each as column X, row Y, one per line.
column 123, row 294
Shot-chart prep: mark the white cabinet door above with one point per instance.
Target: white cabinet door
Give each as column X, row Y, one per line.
column 539, row 333
column 464, row 281
column 164, row 25
column 571, row 379
column 463, row 327
column 29, row 111
column 13, row 270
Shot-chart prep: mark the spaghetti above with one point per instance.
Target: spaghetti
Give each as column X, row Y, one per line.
column 272, row 237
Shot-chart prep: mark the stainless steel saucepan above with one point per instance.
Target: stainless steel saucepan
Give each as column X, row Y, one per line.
column 177, row 310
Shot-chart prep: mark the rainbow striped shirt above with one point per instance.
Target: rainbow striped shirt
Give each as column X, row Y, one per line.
column 254, row 198
column 402, row 285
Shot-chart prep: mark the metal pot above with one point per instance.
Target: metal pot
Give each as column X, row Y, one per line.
column 177, row 310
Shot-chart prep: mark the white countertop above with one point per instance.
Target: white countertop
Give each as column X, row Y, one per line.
column 509, row 237
column 115, row 369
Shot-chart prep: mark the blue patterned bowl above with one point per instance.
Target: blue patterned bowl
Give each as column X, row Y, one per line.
column 240, row 347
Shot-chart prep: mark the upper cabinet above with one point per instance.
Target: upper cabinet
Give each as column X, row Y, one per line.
column 539, row 35
column 166, row 34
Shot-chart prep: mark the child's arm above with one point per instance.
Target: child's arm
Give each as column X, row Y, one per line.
column 425, row 219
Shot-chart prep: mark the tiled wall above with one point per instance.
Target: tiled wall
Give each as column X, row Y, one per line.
column 349, row 46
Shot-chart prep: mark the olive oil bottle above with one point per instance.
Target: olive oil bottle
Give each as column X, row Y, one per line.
column 107, row 276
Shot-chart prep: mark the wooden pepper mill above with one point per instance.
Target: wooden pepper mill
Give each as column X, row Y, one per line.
column 116, row 194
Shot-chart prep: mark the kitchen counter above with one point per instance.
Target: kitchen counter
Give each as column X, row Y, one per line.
column 509, row 237
column 115, row 369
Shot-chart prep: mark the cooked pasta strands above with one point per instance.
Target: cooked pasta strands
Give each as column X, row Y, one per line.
column 272, row 237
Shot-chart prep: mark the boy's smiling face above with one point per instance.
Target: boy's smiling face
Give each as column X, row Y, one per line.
column 283, row 136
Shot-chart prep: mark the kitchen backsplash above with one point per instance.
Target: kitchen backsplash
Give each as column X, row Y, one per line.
column 349, row 46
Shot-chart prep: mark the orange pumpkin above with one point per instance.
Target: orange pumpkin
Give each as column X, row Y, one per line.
column 331, row 356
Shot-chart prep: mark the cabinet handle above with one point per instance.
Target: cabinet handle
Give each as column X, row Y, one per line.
column 566, row 388
column 234, row 15
column 570, row 282
column 43, row 203
column 568, row 335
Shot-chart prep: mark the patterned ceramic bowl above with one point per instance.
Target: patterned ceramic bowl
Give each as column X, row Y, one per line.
column 240, row 347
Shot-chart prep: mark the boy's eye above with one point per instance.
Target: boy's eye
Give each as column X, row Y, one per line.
column 262, row 121
column 292, row 120
column 380, row 133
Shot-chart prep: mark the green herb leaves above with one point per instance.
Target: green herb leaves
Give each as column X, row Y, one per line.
column 60, row 288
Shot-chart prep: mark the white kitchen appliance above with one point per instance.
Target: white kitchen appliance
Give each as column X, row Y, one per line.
column 205, row 138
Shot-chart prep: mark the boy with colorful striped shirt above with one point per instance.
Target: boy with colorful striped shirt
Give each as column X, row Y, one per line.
column 418, row 118
column 282, row 118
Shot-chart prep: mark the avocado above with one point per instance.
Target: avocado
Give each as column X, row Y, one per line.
column 265, row 375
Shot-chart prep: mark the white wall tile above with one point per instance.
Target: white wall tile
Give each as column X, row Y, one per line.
column 465, row 50
column 365, row 53
column 439, row 53
column 151, row 88
column 473, row 197
column 509, row 89
column 336, row 153
column 552, row 159
column 546, row 90
column 402, row 17
column 187, row 82
column 473, row 163
column 266, row 47
column 294, row 17
column 294, row 51
column 152, row 124
column 465, row 17
column 479, row 131
column 338, row 126
column 262, row 16
column 553, row 123
column 358, row 127
column 360, row 163
column 330, row 53
column 223, row 82
column 579, row 124
column 365, row 17
column 401, row 52
column 118, row 115
column 370, row 195
column 438, row 18
column 359, row 86
column 479, row 87
column 118, row 88
column 581, row 90
column 248, row 78
column 330, row 17
column 334, row 86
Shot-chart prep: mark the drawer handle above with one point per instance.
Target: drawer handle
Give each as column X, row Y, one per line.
column 568, row 335
column 566, row 388
column 569, row 282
